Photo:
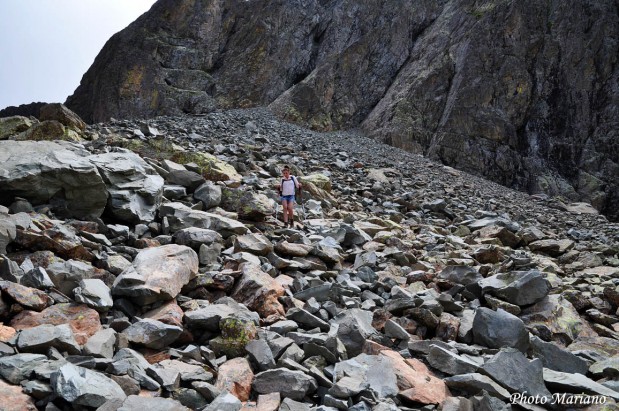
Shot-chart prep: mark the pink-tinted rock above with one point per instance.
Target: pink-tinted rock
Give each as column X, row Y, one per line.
column 30, row 298
column 293, row 249
column 268, row 402
column 6, row 333
column 13, row 399
column 236, row 376
column 258, row 291
column 55, row 237
column 169, row 313
column 158, row 273
column 84, row 321
column 415, row 381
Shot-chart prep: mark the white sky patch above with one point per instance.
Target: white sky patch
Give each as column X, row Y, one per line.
column 46, row 46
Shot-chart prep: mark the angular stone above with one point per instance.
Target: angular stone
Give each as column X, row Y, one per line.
column 180, row 216
column 168, row 313
column 459, row 274
column 137, row 402
column 557, row 358
column 257, row 244
column 235, row 376
column 506, row 237
column 348, row 386
column 553, row 248
column 210, row 316
column 514, row 371
column 94, row 293
column 247, row 204
column 303, row 317
column 497, row 329
column 18, row 367
column 258, row 291
column 57, row 238
column 474, row 383
column 225, row 402
column 158, row 273
column 37, row 278
column 293, row 249
column 209, row 194
column 85, row 387
column 290, row 384
column 565, row 381
column 354, row 328
column 29, row 298
column 450, row 363
column 40, row 339
column 194, row 237
column 101, row 344
column 40, row 171
column 60, row 113
column 260, row 353
column 10, row 126
column 135, row 189
column 152, row 333
column 554, row 318
column 8, row 232
column 517, row 287
column 84, row 321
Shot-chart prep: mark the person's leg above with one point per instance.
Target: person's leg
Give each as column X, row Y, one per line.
column 285, row 211
column 291, row 212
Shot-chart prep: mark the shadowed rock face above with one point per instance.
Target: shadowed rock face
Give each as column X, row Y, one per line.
column 524, row 93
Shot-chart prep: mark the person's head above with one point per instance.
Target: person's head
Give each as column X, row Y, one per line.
column 286, row 171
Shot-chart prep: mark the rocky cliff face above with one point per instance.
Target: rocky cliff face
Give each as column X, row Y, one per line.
column 524, row 93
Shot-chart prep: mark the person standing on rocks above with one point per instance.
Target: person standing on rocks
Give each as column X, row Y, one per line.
column 287, row 189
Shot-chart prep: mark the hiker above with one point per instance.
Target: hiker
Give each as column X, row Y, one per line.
column 287, row 188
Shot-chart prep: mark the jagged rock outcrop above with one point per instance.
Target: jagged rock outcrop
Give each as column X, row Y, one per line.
column 524, row 93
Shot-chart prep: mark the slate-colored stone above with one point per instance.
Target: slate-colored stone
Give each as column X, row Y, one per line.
column 85, row 387
column 290, row 384
column 496, row 329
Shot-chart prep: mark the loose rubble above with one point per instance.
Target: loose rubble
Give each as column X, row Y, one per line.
column 148, row 270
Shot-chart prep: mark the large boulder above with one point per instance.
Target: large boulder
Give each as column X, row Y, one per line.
column 180, row 216
column 157, row 273
column 517, row 287
column 10, row 126
column 81, row 386
column 497, row 329
column 258, row 291
column 52, row 172
column 134, row 187
column 59, row 112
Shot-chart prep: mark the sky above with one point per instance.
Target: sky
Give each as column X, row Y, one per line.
column 46, row 46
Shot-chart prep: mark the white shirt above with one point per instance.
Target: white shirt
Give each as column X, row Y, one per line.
column 288, row 187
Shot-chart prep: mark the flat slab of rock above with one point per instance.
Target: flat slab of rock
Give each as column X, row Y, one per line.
column 474, row 383
column 158, row 273
column 29, row 298
column 152, row 333
column 553, row 248
column 578, row 382
column 180, row 216
column 290, row 384
column 18, row 367
column 517, row 287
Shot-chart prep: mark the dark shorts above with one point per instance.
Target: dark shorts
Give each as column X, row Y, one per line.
column 287, row 198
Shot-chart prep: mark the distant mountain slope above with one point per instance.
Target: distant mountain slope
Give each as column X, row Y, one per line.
column 524, row 93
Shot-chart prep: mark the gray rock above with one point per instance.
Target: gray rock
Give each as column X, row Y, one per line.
column 209, row 193
column 18, row 367
column 475, row 383
column 348, row 386
column 260, row 353
column 8, row 231
column 568, row 382
column 395, row 330
column 174, row 192
column 66, row 275
column 517, row 287
column 290, row 384
column 514, row 371
column 81, row 386
column 207, row 390
column 134, row 187
column 225, row 402
column 257, row 244
column 152, row 333
column 450, row 363
column 608, row 367
column 497, row 329
column 135, row 402
column 289, row 404
column 460, row 274
column 94, row 293
column 101, row 344
column 557, row 358
column 40, row 338
column 158, row 273
column 9, row 270
column 42, row 170
column 354, row 327
column 195, row 237
column 185, row 178
column 37, row 278
column 376, row 371
column 180, row 216
column 301, row 316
